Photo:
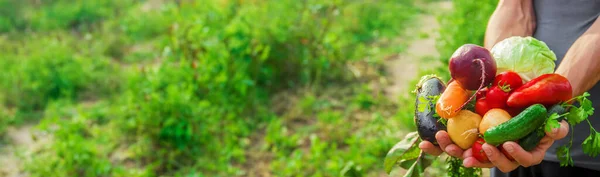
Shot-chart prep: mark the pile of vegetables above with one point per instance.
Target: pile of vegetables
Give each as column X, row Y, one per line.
column 508, row 94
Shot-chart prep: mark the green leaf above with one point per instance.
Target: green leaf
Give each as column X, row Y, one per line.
column 351, row 170
column 586, row 105
column 576, row 115
column 552, row 122
column 406, row 149
column 591, row 145
column 427, row 103
column 423, row 104
column 423, row 161
column 442, row 121
column 585, row 94
column 564, row 156
column 406, row 164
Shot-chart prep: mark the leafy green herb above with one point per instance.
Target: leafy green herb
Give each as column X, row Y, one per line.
column 552, row 122
column 442, row 121
column 576, row 115
column 427, row 103
column 456, row 169
column 581, row 113
column 591, row 145
column 423, row 104
column 564, row 155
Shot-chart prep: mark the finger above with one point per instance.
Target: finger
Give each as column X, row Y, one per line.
column 429, row 148
column 498, row 159
column 443, row 139
column 454, row 151
column 473, row 162
column 560, row 132
column 470, row 161
column 523, row 157
column 545, row 143
column 468, row 153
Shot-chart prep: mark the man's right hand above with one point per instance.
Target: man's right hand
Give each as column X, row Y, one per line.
column 445, row 145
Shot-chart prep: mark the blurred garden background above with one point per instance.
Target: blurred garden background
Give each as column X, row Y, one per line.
column 218, row 87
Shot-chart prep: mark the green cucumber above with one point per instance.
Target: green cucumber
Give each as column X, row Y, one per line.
column 533, row 139
column 517, row 127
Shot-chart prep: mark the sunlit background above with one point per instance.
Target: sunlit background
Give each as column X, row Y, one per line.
column 218, row 88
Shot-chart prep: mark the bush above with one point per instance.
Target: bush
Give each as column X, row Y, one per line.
column 62, row 14
column 73, row 153
column 48, row 69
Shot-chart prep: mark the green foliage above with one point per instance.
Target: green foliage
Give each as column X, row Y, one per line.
column 144, row 21
column 464, row 25
column 407, row 149
column 185, row 88
column 591, row 145
column 71, row 154
column 552, row 122
column 9, row 15
column 61, row 14
column 456, row 168
column 49, row 68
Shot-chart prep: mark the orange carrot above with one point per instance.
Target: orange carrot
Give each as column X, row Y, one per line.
column 451, row 100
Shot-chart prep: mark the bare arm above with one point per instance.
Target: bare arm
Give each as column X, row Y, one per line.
column 581, row 64
column 511, row 18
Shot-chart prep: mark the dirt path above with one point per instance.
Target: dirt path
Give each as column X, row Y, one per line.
column 18, row 138
column 405, row 67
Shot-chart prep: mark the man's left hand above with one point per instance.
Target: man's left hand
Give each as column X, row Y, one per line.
column 522, row 157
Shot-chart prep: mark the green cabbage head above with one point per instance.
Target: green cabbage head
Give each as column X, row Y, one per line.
column 527, row 56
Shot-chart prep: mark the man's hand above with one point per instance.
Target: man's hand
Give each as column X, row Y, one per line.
column 446, row 145
column 522, row 157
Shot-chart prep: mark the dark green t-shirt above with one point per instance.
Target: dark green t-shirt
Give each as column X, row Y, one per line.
column 559, row 24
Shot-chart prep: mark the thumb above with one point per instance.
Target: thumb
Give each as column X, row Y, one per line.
column 560, row 132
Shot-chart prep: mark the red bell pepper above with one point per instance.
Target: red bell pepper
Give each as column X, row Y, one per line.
column 548, row 89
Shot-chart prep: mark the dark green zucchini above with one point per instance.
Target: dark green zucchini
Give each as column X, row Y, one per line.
column 557, row 108
column 426, row 120
column 533, row 139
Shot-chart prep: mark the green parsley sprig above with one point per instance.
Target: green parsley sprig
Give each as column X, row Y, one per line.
column 576, row 115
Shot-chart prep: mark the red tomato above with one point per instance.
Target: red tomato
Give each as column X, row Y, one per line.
column 508, row 78
column 481, row 106
column 496, row 97
column 508, row 156
column 478, row 152
column 481, row 93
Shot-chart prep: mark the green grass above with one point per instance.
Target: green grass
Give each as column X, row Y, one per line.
column 206, row 88
column 213, row 88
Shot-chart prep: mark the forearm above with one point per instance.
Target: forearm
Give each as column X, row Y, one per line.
column 511, row 18
column 581, row 64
